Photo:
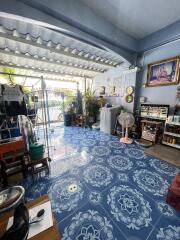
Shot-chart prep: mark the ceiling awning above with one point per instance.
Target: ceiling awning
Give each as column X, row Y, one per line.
column 38, row 51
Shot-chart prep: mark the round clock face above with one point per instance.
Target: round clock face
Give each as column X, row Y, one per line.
column 129, row 90
column 129, row 98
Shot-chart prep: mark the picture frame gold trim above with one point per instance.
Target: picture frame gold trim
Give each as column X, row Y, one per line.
column 161, row 62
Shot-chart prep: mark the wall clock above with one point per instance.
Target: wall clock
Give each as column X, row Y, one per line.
column 129, row 98
column 130, row 90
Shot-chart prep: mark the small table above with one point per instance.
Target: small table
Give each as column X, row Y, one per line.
column 51, row 233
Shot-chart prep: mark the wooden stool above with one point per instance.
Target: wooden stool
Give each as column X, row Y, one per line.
column 173, row 196
column 38, row 166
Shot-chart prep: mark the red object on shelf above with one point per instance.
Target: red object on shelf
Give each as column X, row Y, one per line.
column 173, row 196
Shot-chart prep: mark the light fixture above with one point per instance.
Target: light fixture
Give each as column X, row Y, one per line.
column 36, row 56
column 49, row 44
column 66, row 49
column 86, row 55
column 80, row 53
column 74, row 51
column 7, row 49
column 92, row 57
column 44, row 58
column 27, row 54
column 39, row 40
column 15, row 33
column 28, row 37
column 58, row 46
column 17, row 51
column 2, row 29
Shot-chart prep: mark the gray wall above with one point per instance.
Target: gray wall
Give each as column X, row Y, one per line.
column 163, row 94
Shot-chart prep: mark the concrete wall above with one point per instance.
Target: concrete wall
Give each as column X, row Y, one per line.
column 163, row 36
column 163, row 94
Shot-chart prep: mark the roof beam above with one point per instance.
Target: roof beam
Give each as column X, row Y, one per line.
column 53, row 50
column 35, row 77
column 20, row 55
column 44, row 71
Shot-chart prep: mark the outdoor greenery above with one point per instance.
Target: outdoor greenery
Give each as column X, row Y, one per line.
column 9, row 76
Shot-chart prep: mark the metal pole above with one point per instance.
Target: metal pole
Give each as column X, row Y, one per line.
column 85, row 85
column 46, row 130
column 47, row 107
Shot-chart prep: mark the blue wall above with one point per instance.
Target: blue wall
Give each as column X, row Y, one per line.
column 163, row 94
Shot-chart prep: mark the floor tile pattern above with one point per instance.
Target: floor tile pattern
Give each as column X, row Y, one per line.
column 101, row 189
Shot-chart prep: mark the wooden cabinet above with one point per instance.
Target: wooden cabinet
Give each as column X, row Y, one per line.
column 150, row 130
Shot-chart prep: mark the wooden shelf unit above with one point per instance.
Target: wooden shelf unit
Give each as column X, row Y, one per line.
column 171, row 135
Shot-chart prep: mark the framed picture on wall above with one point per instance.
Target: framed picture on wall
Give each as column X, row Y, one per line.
column 102, row 90
column 163, row 73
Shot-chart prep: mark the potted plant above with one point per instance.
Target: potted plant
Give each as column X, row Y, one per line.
column 91, row 106
column 68, row 108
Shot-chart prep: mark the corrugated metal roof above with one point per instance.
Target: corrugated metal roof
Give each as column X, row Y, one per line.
column 40, row 51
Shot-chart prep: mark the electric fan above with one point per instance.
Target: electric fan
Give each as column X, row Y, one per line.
column 126, row 120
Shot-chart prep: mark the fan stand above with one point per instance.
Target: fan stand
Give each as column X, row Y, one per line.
column 125, row 139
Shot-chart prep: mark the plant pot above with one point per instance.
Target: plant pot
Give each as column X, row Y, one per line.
column 67, row 119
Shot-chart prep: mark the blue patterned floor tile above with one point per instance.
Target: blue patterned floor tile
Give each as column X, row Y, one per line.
column 98, row 176
column 89, row 223
column 67, row 194
column 134, row 213
column 166, row 229
column 150, row 183
column 101, row 189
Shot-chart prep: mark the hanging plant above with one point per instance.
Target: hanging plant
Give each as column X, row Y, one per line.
column 9, row 75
